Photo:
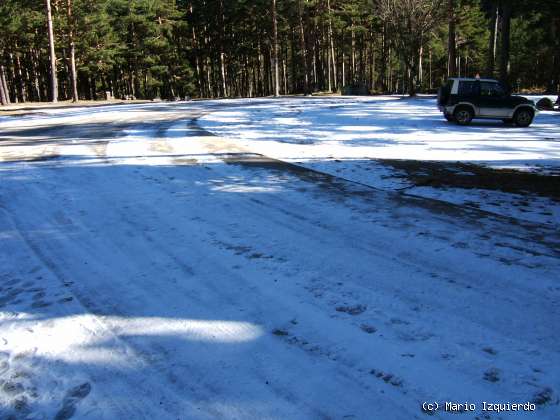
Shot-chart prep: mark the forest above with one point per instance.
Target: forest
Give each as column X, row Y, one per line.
column 53, row 50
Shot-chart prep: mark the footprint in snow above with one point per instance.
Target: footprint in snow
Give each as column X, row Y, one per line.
column 543, row 396
column 370, row 329
column 490, row 350
column 71, row 400
column 492, row 375
column 352, row 310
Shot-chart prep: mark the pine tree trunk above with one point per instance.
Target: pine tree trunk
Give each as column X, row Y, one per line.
column 343, row 68
column 352, row 53
column 373, row 69
column 329, row 73
column 384, row 64
column 331, row 40
column 54, row 80
column 314, row 68
column 492, row 41
column 12, row 78
column 411, row 75
column 420, row 63
column 303, row 48
column 194, row 39
column 275, row 51
column 22, row 81
column 4, row 86
column 451, row 42
column 505, row 47
column 222, row 52
column 209, row 77
column 4, row 100
column 284, row 75
column 35, row 72
column 554, row 76
column 72, row 46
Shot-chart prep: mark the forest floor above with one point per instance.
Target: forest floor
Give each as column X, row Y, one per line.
column 276, row 259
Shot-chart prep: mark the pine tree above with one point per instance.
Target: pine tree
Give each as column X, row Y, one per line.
column 52, row 54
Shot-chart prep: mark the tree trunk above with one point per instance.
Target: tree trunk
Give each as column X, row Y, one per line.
column 35, row 71
column 12, row 78
column 412, row 68
column 411, row 75
column 22, row 80
column 331, row 40
column 505, row 47
column 420, row 70
column 222, row 52
column 54, row 80
column 73, row 78
column 384, row 56
column 4, row 99
column 430, row 68
column 492, row 41
column 4, row 87
column 303, row 48
column 352, row 53
column 275, row 51
column 329, row 73
column 451, row 42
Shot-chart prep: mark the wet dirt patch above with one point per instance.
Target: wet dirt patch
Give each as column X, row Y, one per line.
column 38, row 158
column 185, row 161
column 470, row 176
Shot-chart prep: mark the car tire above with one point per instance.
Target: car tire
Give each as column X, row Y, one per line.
column 449, row 117
column 523, row 117
column 463, row 115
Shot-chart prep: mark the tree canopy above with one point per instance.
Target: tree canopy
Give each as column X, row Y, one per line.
column 169, row 49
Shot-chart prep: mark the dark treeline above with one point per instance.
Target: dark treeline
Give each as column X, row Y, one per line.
column 144, row 49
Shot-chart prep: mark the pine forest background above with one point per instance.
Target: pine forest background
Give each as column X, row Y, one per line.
column 83, row 49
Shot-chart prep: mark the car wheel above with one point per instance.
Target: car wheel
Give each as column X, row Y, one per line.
column 523, row 117
column 449, row 117
column 463, row 116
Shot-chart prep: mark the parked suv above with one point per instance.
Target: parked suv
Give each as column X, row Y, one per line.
column 462, row 99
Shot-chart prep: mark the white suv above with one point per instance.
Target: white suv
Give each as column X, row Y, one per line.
column 462, row 99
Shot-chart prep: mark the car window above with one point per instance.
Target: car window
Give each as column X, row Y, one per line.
column 468, row 88
column 491, row 89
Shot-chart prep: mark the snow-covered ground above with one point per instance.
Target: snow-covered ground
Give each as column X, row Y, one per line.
column 343, row 136
column 386, row 127
column 151, row 270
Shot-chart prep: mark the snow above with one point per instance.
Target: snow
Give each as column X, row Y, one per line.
column 384, row 127
column 150, row 269
column 342, row 136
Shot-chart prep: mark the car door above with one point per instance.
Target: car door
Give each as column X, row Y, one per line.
column 493, row 100
column 468, row 92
